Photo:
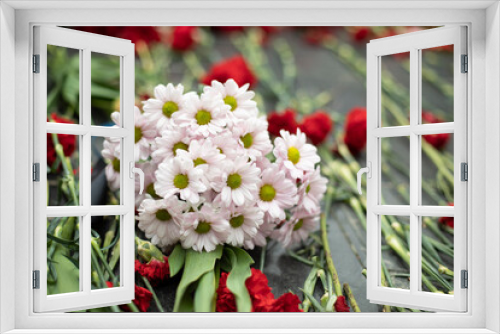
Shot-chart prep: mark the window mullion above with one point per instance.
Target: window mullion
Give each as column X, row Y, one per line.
column 414, row 171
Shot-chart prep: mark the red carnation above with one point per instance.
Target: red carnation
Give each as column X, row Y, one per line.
column 318, row 35
column 448, row 221
column 438, row 140
column 341, row 305
column 316, row 126
column 282, row 121
column 230, row 29
column 68, row 142
column 360, row 34
column 184, row 38
column 142, row 298
column 234, row 68
column 287, row 302
column 155, row 271
column 355, row 130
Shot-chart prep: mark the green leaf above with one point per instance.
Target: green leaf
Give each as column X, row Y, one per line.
column 236, row 279
column 176, row 259
column 196, row 265
column 204, row 296
column 68, row 275
column 99, row 91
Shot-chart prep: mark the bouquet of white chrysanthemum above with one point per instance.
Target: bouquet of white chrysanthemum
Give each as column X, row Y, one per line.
column 210, row 176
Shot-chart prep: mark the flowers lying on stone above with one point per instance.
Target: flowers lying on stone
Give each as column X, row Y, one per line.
column 213, row 176
column 260, row 294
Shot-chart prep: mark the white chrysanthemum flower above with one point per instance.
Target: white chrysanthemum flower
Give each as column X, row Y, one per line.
column 144, row 134
column 227, row 145
column 168, row 101
column 312, row 190
column 239, row 99
column 263, row 232
column 203, row 116
column 297, row 229
column 244, row 222
column 172, row 139
column 178, row 176
column 276, row 192
column 111, row 153
column 204, row 229
column 237, row 182
column 205, row 156
column 295, row 154
column 263, row 163
column 149, row 168
column 253, row 137
column 160, row 220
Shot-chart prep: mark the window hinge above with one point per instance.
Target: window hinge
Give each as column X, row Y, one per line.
column 36, row 63
column 464, row 171
column 36, row 279
column 465, row 279
column 465, row 64
column 36, row 172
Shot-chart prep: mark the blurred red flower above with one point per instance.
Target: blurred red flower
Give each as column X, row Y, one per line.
column 184, row 38
column 318, row 35
column 448, row 221
column 316, row 126
column 147, row 35
column 278, row 121
column 142, row 298
column 234, row 68
column 439, row 140
column 260, row 294
column 355, row 130
column 154, row 271
column 360, row 34
column 68, row 142
column 341, row 305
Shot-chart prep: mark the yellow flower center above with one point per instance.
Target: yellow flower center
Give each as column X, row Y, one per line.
column 298, row 225
column 199, row 161
column 267, row 193
column 308, row 189
column 116, row 165
column 138, row 134
column 169, row 108
column 203, row 117
column 181, row 181
column 234, row 181
column 163, row 215
column 293, row 155
column 179, row 146
column 247, row 140
column 237, row 221
column 231, row 101
column 203, row 227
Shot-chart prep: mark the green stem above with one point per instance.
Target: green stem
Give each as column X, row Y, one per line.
column 351, row 298
column 155, row 297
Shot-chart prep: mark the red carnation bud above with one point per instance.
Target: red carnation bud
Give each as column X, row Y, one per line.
column 438, row 140
column 287, row 302
column 234, row 68
column 154, row 271
column 341, row 305
column 142, row 298
column 317, row 126
column 184, row 38
column 68, row 142
column 282, row 121
column 355, row 130
column 448, row 221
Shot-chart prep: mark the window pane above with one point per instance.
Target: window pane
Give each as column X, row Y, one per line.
column 106, row 166
column 395, row 83
column 105, row 88
column 105, row 252
column 437, row 169
column 437, row 254
column 395, row 271
column 395, row 169
column 437, row 84
column 63, row 169
column 63, row 84
column 63, row 255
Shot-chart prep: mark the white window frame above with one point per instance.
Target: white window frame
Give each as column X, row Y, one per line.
column 17, row 20
column 86, row 44
column 414, row 43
